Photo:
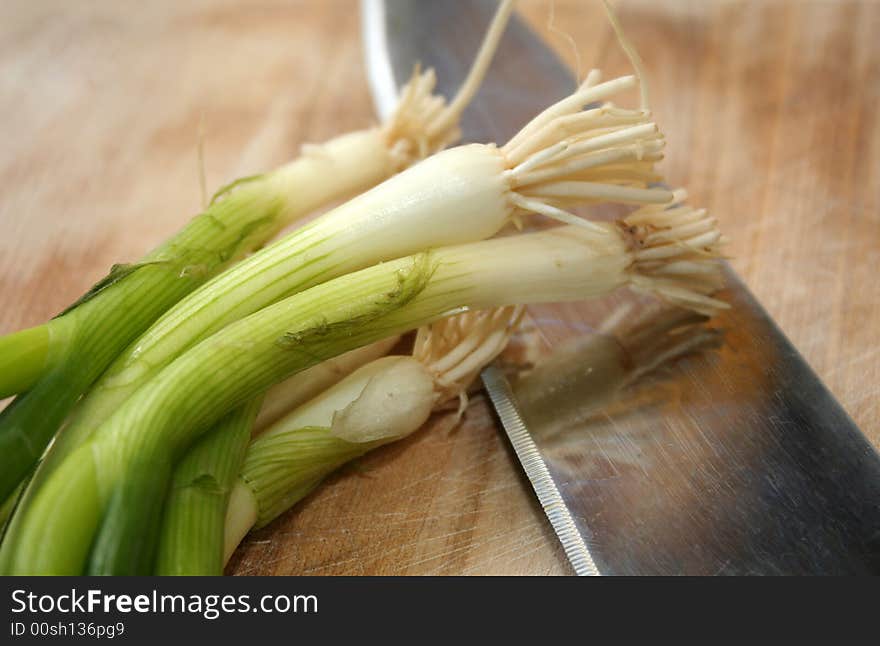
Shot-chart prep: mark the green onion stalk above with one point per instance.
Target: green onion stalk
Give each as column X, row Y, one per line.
column 381, row 402
column 8, row 506
column 68, row 353
column 159, row 422
column 303, row 386
column 391, row 392
column 195, row 508
column 191, row 537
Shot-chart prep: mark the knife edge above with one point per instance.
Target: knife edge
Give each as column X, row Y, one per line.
column 557, row 512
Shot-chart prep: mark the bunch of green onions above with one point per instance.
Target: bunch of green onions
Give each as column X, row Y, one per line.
column 79, row 520
column 160, row 373
column 52, row 365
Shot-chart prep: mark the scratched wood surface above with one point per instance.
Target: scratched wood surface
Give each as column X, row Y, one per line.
column 770, row 109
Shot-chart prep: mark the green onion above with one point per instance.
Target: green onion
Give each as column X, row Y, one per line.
column 8, row 507
column 23, row 358
column 303, row 386
column 283, row 468
column 191, row 537
column 83, row 340
column 125, row 543
column 381, row 402
column 669, row 252
column 191, row 540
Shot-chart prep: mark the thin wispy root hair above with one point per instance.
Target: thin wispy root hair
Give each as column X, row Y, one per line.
column 456, row 349
column 568, row 155
column 676, row 254
column 409, row 134
column 423, row 123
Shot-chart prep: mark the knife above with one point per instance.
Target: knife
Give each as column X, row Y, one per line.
column 656, row 445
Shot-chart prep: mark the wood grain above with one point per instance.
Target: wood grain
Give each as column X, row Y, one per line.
column 770, row 114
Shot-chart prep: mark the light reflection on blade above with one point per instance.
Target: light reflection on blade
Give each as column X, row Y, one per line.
column 722, row 460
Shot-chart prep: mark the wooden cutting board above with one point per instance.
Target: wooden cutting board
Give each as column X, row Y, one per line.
column 771, row 119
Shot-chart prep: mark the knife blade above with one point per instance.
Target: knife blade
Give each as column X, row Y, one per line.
column 655, row 447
